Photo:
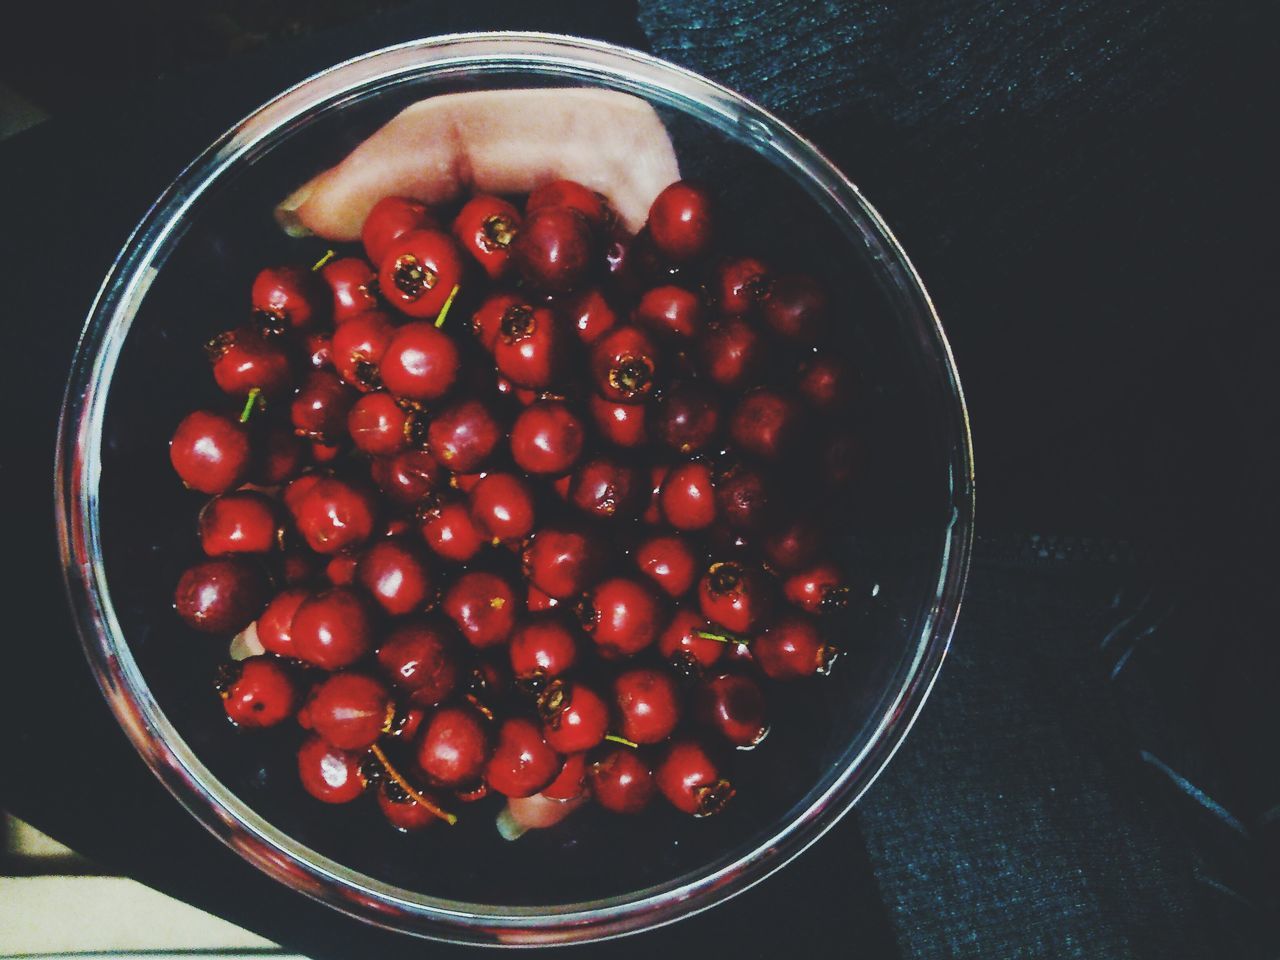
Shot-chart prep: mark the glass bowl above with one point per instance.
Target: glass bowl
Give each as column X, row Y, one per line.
column 186, row 271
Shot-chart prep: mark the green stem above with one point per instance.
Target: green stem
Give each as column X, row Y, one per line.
column 444, row 311
column 250, row 402
column 328, row 255
column 614, row 738
column 722, row 637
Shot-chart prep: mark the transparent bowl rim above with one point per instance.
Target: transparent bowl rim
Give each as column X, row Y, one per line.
column 78, row 469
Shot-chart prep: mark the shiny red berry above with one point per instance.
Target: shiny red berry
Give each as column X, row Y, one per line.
column 395, row 574
column 318, row 349
column 528, row 348
column 542, row 647
column 319, row 409
column 623, row 617
column 590, row 315
column 734, row 596
column 378, row 425
column 329, row 774
column 546, row 438
column 653, row 505
column 463, row 436
column 485, row 227
column 605, row 488
column 240, row 522
column 732, row 353
column 620, row 781
column 734, row 705
column 333, row 515
column 682, row 642
column 571, row 782
column 262, row 694
column 765, row 423
column 279, row 456
column 407, row 478
column 389, row 220
column 816, row 587
column 450, row 531
column 688, row 496
column 454, row 747
column 341, row 569
column 289, row 298
column 245, row 360
column 401, row 810
column 332, row 629
column 622, row 424
column 570, row 195
column 796, row 308
column 648, row 706
column 562, row 562
column 553, row 249
column 793, row 544
column 691, row 781
column 487, row 321
column 687, row 418
column 349, row 710
column 352, row 286
column 420, row 363
column 535, row 601
column 681, row 222
column 358, row 347
column 222, row 595
column 671, row 312
column 624, row 364
column 418, row 271
column 275, row 623
column 522, row 763
column 502, row 506
column 483, row 606
column 792, row 649
column 742, row 284
column 669, row 562
column 742, row 497
column 574, row 717
column 421, row 658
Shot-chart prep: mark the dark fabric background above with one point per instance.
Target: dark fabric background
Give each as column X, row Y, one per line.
column 1088, row 190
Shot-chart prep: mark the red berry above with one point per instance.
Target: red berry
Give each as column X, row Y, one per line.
column 418, row 272
column 454, row 747
column 279, row 457
column 536, row 601
column 407, row 478
column 263, row 694
column 341, row 569
column 742, row 497
column 574, row 717
column 389, row 220
column 826, row 383
column 734, row 705
column 647, row 705
column 734, row 596
column 741, row 284
column 571, row 782
column 731, row 353
column 463, row 436
column 486, row 227
column 688, row 496
column 358, row 348
column 623, row 618
column 421, row 658
column 349, row 710
column 657, row 477
column 451, row 533
column 319, row 349
column 793, row 544
column 487, row 321
column 624, row 364
column 590, row 315
column 542, row 647
column 796, row 308
column 320, row 407
column 242, row 522
column 528, row 347
column 522, row 763
column 792, row 649
column 562, row 562
column 605, row 488
column 421, row 363
column 669, row 562
column 553, row 249
column 680, row 221
column 483, row 606
column 378, row 425
column 329, row 774
column 546, row 438
column 816, row 587
column 245, row 360
column 691, row 781
column 687, row 418
column 289, row 298
column 502, row 506
column 396, row 576
column 332, row 629
column 210, row 452
column 401, row 810
column 680, row 643
column 622, row 424
column 352, row 285
column 670, row 311
column 621, row 782
column 275, row 623
column 332, row 515
column 764, row 423
column 570, row 195
column 221, row 595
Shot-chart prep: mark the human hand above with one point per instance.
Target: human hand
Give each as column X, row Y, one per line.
column 494, row 141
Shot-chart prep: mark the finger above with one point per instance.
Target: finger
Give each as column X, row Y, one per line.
column 499, row 141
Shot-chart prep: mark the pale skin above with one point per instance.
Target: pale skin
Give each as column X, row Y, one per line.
column 494, row 141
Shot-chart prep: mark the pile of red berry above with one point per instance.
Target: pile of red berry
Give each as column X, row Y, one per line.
column 560, row 552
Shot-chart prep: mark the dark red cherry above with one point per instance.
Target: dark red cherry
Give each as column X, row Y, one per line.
column 275, row 623
column 648, row 706
column 624, row 364
column 742, row 496
column 733, row 704
column 623, row 617
column 487, row 321
column 401, row 810
column 688, row 496
column 669, row 562
column 421, row 658
column 332, row 629
column 240, row 522
column 222, row 595
column 734, row 596
column 262, row 693
column 320, row 407
column 653, row 507
column 450, row 531
column 528, row 347
column 318, row 349
column 792, row 649
column 671, row 312
column 687, row 418
column 329, row 774
column 420, row 363
column 389, row 220
column 765, row 423
column 378, row 425
column 483, row 606
column 536, row 601
column 279, row 456
column 502, row 506
column 590, row 315
column 407, row 478
column 395, row 574
column 574, row 717
column 352, row 286
column 289, row 298
column 622, row 424
column 358, row 347
column 299, row 566
column 245, row 360
column 741, row 284
column 454, row 747
column 321, row 452
column 485, row 227
column 681, row 642
column 620, row 781
column 796, row 308
column 816, row 587
column 731, row 352
column 419, row 271
column 349, row 710
column 691, row 781
column 522, row 763
column 463, row 436
column 826, row 383
column 553, row 249
column 680, row 221
column 793, row 544
column 332, row 515
column 341, row 569
column 571, row 195
column 571, row 782
column 605, row 488
column 562, row 562
column 546, row 438
column 541, row 648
